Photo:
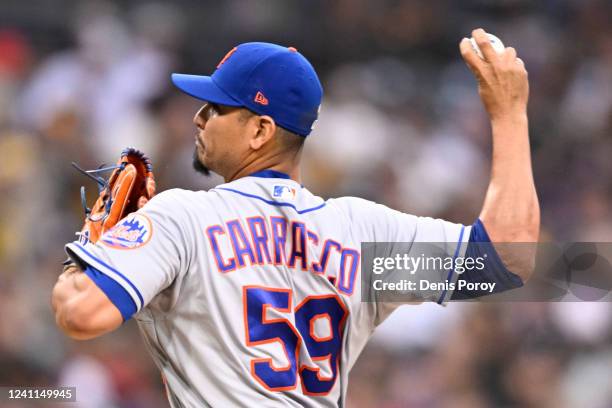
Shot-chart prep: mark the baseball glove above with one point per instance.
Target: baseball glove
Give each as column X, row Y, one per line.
column 129, row 187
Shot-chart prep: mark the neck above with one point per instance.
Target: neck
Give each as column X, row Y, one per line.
column 284, row 164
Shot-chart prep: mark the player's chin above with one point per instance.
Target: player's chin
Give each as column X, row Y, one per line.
column 198, row 165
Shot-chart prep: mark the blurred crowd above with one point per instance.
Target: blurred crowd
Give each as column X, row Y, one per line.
column 401, row 124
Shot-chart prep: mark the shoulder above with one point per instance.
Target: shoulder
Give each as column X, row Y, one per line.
column 174, row 198
column 356, row 207
column 348, row 203
column 174, row 194
column 174, row 209
column 175, row 203
column 370, row 217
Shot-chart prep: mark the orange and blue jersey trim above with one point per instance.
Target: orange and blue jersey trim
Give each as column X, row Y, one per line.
column 76, row 250
column 494, row 271
column 273, row 203
column 114, row 291
column 452, row 270
column 268, row 173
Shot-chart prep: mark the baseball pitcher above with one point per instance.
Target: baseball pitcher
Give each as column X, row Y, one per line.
column 249, row 294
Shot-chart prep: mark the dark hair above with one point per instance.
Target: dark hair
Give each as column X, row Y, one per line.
column 289, row 140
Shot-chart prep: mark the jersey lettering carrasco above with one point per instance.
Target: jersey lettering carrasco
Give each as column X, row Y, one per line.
column 264, row 242
column 249, row 294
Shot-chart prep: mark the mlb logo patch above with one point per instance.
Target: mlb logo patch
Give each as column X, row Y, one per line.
column 132, row 232
column 284, row 192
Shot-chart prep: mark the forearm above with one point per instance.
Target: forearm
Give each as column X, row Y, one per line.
column 68, row 289
column 511, row 212
column 77, row 304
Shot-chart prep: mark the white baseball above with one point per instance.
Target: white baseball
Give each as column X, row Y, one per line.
column 497, row 44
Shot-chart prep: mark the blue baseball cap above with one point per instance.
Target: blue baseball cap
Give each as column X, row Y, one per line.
column 265, row 78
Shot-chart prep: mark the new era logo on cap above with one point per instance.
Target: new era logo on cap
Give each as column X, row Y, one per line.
column 260, row 99
column 253, row 74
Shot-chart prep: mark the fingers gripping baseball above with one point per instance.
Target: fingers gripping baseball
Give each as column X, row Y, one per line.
column 509, row 55
column 502, row 78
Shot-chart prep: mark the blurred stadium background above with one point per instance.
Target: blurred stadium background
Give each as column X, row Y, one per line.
column 401, row 124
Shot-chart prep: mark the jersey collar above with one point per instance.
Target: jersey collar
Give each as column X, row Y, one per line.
column 270, row 174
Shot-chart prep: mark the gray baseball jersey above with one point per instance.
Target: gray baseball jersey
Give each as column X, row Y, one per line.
column 249, row 294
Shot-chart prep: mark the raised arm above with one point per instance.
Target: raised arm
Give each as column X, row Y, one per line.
column 511, row 211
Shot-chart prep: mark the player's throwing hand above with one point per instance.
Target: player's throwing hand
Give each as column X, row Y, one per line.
column 502, row 77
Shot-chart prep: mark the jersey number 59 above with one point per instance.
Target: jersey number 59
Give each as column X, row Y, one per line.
column 261, row 330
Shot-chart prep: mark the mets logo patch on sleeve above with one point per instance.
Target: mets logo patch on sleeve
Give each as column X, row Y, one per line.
column 132, row 232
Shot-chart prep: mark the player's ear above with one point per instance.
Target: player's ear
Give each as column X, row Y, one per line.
column 266, row 128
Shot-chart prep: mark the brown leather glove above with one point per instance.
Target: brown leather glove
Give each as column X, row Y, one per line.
column 129, row 187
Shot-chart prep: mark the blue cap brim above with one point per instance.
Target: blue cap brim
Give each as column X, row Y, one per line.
column 203, row 88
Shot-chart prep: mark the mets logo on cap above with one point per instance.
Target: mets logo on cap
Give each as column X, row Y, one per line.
column 134, row 231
